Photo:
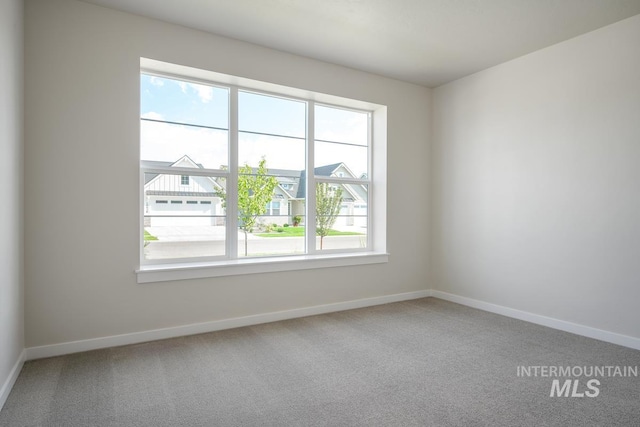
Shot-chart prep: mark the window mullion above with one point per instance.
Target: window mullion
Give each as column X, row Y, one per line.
column 370, row 192
column 310, row 226
column 142, row 215
column 232, row 179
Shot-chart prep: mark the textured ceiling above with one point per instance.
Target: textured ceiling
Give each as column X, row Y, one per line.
column 428, row 42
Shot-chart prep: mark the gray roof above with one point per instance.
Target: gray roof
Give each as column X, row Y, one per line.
column 326, row 170
column 181, row 193
column 319, row 171
column 148, row 177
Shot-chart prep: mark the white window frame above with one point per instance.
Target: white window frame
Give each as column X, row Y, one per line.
column 231, row 264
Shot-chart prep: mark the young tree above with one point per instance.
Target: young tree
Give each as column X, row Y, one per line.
column 328, row 201
column 255, row 190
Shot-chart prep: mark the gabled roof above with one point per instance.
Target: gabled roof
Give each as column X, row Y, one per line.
column 326, row 170
column 319, row 171
column 148, row 177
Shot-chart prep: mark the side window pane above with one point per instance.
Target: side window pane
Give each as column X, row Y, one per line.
column 341, row 216
column 353, row 158
column 341, row 138
column 184, row 102
column 340, row 125
column 183, row 120
column 192, row 225
column 183, row 125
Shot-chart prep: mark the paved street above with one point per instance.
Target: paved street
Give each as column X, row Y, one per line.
column 185, row 242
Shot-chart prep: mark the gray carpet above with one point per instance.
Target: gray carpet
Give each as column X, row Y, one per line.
column 422, row 362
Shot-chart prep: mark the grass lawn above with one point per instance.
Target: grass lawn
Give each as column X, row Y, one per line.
column 148, row 237
column 299, row 232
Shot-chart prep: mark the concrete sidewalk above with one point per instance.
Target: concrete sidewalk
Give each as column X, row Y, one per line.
column 212, row 233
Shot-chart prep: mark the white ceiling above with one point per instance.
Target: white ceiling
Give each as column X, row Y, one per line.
column 428, row 42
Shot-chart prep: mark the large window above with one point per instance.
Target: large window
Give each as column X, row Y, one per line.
column 251, row 174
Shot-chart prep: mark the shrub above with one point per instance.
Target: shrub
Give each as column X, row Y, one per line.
column 280, row 230
column 285, row 225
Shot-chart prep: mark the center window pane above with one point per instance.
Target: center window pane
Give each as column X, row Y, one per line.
column 271, row 160
column 271, row 115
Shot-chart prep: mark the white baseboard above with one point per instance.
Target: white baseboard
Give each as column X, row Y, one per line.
column 11, row 380
column 217, row 325
column 550, row 322
column 199, row 328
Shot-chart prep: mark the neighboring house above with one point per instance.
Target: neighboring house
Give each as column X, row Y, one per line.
column 175, row 200
column 353, row 210
column 179, row 200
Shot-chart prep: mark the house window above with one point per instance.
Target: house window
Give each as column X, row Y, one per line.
column 240, row 143
column 273, row 208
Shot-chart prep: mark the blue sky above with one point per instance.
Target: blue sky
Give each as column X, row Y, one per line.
column 176, row 101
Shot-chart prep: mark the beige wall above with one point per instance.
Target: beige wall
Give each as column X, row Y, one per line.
column 11, row 294
column 82, row 65
column 535, row 179
column 531, row 179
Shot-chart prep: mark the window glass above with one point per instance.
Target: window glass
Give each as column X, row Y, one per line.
column 185, row 149
column 271, row 152
column 178, row 230
column 341, row 138
column 180, row 101
column 183, row 123
column 341, row 216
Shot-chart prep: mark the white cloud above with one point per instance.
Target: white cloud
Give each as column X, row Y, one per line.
column 352, row 130
column 152, row 115
column 204, row 92
column 156, row 81
column 280, row 153
column 169, row 143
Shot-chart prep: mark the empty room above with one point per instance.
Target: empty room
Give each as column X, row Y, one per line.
column 320, row 213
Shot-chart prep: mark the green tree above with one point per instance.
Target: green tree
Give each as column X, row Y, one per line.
column 255, row 190
column 328, row 201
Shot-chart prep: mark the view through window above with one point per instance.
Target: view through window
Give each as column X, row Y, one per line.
column 226, row 173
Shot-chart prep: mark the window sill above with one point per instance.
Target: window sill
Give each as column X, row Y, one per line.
column 163, row 273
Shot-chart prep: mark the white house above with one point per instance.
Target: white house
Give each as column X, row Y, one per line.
column 181, row 200
column 174, row 200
